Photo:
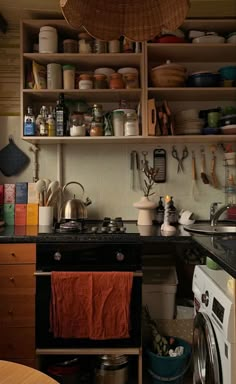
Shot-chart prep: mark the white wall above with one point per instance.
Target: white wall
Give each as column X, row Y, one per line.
column 104, row 171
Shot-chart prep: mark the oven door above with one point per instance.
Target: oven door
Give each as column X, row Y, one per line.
column 207, row 368
column 45, row 339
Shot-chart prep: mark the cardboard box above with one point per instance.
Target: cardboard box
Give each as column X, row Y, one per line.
column 9, row 193
column 9, row 213
column 21, row 193
column 20, row 214
column 33, row 196
column 32, row 214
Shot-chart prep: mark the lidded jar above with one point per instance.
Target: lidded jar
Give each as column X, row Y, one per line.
column 100, row 81
column 96, row 129
column 68, row 76
column 85, row 81
column 85, row 43
column 70, row 46
column 48, row 41
column 131, row 124
column 116, row 81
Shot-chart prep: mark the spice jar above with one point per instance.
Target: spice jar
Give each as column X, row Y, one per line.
column 97, row 113
column 100, row 46
column 114, row 46
column 96, row 129
column 100, row 81
column 70, row 46
column 68, row 76
column 85, row 81
column 116, row 81
column 85, row 43
column 131, row 80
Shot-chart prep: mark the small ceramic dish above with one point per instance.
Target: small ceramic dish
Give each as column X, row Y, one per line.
column 209, row 39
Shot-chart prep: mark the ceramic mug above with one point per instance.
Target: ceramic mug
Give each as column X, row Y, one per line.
column 213, row 119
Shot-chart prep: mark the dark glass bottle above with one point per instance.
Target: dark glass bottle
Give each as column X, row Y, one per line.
column 172, row 212
column 160, row 211
column 61, row 117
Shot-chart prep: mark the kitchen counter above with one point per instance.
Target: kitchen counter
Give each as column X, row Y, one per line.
column 221, row 248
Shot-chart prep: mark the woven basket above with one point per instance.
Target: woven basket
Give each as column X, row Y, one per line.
column 138, row 20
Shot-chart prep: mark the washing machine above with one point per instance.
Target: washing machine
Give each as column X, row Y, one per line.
column 214, row 339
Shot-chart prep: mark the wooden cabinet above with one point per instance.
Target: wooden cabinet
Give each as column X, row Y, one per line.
column 17, row 303
column 196, row 57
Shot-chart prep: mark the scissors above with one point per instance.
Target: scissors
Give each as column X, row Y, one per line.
column 180, row 160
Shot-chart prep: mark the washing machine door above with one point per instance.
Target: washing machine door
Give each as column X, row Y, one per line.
column 205, row 351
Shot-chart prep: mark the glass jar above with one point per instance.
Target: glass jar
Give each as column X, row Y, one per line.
column 70, row 46
column 100, row 46
column 131, row 124
column 131, row 80
column 100, row 81
column 116, row 81
column 114, row 46
column 48, row 41
column 68, row 76
column 85, row 81
column 118, row 123
column 85, row 43
column 97, row 113
column 96, row 129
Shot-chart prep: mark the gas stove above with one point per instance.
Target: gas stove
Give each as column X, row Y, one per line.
column 105, row 226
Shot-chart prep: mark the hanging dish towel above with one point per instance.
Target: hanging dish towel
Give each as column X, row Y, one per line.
column 94, row 305
column 12, row 159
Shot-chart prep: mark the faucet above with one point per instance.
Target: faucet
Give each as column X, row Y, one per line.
column 216, row 214
column 213, row 209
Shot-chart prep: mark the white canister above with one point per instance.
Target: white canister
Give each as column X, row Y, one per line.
column 68, row 76
column 85, row 84
column 54, row 76
column 48, row 41
column 46, row 216
column 131, row 126
column 118, row 123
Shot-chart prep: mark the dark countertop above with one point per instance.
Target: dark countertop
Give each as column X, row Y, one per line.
column 221, row 248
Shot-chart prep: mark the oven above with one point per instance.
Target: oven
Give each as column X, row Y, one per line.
column 90, row 255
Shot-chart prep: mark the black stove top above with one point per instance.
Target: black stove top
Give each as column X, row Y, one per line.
column 105, row 226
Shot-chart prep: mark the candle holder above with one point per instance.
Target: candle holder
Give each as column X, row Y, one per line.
column 166, row 227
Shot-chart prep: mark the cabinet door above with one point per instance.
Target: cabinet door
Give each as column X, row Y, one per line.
column 17, row 253
column 17, row 278
column 17, row 310
column 17, row 343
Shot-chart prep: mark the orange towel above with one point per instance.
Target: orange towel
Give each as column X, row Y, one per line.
column 93, row 305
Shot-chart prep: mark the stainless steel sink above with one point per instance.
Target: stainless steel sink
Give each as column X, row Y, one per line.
column 209, row 229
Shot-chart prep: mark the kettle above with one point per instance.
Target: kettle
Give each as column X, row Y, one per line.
column 74, row 209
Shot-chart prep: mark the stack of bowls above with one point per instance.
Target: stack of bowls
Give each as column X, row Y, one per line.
column 187, row 122
column 168, row 75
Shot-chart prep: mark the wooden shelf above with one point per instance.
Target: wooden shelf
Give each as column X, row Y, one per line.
column 88, row 351
column 193, row 93
column 192, row 52
column 155, row 140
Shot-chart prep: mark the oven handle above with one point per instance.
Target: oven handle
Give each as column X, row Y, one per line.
column 41, row 273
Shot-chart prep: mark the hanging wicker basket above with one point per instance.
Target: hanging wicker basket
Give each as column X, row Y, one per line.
column 138, row 20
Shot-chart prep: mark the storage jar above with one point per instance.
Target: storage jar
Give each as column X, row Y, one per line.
column 114, row 46
column 118, row 123
column 96, row 129
column 112, row 369
column 116, row 81
column 68, row 76
column 70, row 46
column 100, row 81
column 85, row 43
column 48, row 41
column 100, row 46
column 131, row 80
column 54, row 76
column 131, row 124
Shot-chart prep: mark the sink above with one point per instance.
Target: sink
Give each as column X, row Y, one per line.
column 209, row 229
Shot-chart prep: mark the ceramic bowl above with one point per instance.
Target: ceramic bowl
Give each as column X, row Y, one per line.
column 228, row 72
column 208, row 39
column 203, row 79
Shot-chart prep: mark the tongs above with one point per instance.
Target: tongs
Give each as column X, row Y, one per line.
column 136, row 182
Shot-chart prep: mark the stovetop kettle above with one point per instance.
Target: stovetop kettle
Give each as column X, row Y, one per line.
column 74, row 209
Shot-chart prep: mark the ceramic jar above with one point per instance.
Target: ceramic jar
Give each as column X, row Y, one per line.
column 96, row 129
column 116, row 81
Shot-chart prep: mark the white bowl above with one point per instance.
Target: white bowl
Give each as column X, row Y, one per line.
column 104, row 71
column 231, row 39
column 127, row 70
column 209, row 39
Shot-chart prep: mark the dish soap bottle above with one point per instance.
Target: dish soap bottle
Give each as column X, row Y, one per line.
column 160, row 211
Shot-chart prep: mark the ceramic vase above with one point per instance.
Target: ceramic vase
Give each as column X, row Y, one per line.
column 146, row 210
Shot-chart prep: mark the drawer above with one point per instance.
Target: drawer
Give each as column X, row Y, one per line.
column 17, row 253
column 14, row 278
column 17, row 343
column 17, row 310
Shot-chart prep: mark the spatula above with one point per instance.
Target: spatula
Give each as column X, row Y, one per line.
column 203, row 167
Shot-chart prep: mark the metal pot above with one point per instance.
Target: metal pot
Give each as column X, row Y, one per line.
column 112, row 369
column 74, row 209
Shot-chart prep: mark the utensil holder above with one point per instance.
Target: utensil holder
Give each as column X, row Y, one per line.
column 46, row 216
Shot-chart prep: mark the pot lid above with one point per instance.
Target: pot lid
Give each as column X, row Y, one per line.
column 137, row 20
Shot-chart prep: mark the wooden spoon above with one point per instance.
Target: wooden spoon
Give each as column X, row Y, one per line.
column 203, row 168
column 41, row 188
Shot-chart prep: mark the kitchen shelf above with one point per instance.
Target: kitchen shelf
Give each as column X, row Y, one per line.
column 90, row 95
column 88, row 351
column 193, row 93
column 190, row 52
column 89, row 61
column 155, row 140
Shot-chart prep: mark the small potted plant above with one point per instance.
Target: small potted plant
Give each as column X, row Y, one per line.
column 145, row 205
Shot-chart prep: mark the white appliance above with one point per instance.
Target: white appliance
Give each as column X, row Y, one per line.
column 214, row 339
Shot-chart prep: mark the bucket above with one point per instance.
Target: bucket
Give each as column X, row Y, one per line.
column 169, row 369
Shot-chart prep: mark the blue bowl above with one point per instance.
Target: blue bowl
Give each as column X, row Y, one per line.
column 204, row 80
column 228, row 72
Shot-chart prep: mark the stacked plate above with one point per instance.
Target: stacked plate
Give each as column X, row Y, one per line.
column 187, row 122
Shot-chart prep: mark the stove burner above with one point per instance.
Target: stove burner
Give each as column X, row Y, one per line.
column 107, row 225
column 70, row 226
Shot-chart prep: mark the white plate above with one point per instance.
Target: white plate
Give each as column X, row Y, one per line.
column 211, row 39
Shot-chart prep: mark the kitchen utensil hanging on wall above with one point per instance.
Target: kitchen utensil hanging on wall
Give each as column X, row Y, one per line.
column 159, row 162
column 203, row 167
column 12, row 159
